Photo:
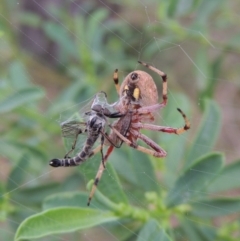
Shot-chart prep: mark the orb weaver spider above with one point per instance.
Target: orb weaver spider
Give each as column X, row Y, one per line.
column 138, row 101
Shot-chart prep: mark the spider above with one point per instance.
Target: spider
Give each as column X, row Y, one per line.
column 138, row 103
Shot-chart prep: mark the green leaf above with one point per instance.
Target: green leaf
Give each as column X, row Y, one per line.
column 233, row 42
column 14, row 150
column 34, row 195
column 30, row 19
column 174, row 144
column 197, row 232
column 152, row 231
column 18, row 75
column 68, row 98
column 203, row 70
column 20, row 98
column 180, row 7
column 228, row 179
column 136, row 168
column 17, row 175
column 61, row 36
column 206, row 10
column 207, row 132
column 69, row 199
column 216, row 207
column 61, row 220
column 72, row 183
column 95, row 34
column 188, row 187
column 109, row 184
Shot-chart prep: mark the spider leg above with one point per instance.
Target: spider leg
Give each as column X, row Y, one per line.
column 166, row 129
column 101, row 146
column 187, row 123
column 137, row 147
column 116, row 81
column 148, row 109
column 152, row 144
column 164, row 78
column 99, row 173
column 110, row 140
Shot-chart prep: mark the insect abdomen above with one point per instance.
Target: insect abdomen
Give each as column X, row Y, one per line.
column 77, row 160
column 68, row 162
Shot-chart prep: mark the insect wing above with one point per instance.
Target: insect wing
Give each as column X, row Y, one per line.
column 71, row 129
column 77, row 122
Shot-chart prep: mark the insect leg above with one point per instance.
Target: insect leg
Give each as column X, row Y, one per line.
column 99, row 173
column 110, row 140
column 73, row 147
column 102, row 142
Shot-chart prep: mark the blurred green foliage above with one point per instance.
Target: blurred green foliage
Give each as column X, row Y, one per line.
column 55, row 56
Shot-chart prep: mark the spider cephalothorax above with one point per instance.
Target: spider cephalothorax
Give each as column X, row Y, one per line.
column 139, row 87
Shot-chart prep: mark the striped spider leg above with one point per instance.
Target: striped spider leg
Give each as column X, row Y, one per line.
column 139, row 101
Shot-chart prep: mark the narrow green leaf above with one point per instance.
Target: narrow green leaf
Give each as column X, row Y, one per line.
column 69, row 199
column 60, row 35
column 14, row 150
column 203, row 64
column 18, row 75
column 34, row 195
column 17, row 175
column 205, row 10
column 197, row 232
column 233, row 43
column 229, row 178
column 190, row 230
column 216, row 207
column 179, row 8
column 174, row 144
column 109, row 184
column 122, row 230
column 216, row 67
column 30, row 19
column 207, row 233
column 136, row 168
column 207, row 132
column 20, row 98
column 72, row 183
column 61, row 220
column 172, row 8
column 152, row 231
column 95, row 33
column 67, row 101
column 188, row 187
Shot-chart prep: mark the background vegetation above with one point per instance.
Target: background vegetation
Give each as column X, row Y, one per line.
column 56, row 54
